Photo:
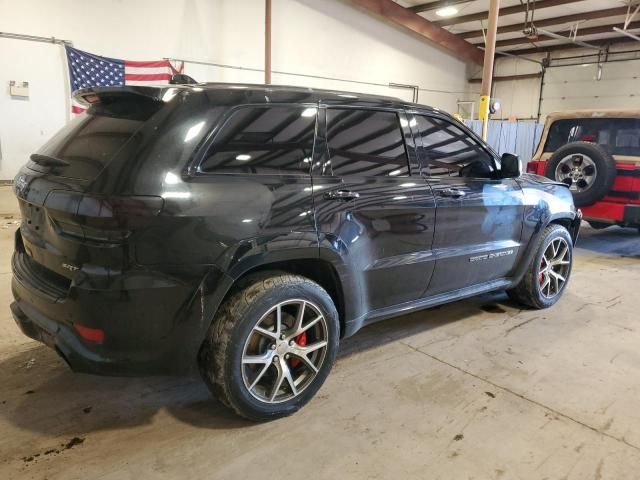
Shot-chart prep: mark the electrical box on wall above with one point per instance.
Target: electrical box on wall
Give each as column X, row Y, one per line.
column 18, row 89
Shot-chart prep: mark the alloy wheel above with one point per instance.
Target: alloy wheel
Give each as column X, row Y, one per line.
column 578, row 171
column 554, row 268
column 284, row 351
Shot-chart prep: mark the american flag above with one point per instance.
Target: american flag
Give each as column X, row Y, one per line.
column 88, row 70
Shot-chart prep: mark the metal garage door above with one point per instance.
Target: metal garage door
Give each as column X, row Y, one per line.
column 576, row 86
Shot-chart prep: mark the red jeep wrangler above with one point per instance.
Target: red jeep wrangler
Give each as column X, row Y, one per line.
column 596, row 153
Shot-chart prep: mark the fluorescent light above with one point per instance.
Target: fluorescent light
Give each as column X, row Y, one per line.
column 247, row 220
column 393, row 173
column 408, row 184
column 400, row 197
column 243, row 157
column 193, row 131
column 448, row 11
column 309, row 112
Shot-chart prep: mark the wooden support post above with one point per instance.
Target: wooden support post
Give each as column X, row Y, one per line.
column 487, row 71
column 267, row 42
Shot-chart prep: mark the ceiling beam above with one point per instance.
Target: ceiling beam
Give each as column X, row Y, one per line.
column 548, row 22
column 423, row 7
column 540, row 4
column 506, row 78
column 399, row 15
column 570, row 46
column 581, row 32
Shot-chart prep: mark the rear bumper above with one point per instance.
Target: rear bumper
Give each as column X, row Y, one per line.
column 63, row 340
column 149, row 328
column 626, row 215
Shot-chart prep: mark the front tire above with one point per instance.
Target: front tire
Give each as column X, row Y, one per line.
column 549, row 270
column 271, row 346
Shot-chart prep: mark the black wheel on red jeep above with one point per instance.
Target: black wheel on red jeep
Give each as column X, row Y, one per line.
column 586, row 167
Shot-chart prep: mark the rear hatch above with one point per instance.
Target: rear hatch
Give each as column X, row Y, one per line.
column 66, row 226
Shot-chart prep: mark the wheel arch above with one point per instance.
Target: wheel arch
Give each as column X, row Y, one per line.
column 569, row 220
column 319, row 270
column 572, row 224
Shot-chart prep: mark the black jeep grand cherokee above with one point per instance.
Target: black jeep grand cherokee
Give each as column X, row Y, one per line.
column 246, row 229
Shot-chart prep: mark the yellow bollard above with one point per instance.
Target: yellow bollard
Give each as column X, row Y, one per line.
column 484, row 115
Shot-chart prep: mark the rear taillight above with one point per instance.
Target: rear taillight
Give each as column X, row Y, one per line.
column 94, row 335
column 120, row 207
column 104, row 207
column 100, row 218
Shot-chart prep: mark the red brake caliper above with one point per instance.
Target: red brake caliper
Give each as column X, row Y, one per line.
column 302, row 341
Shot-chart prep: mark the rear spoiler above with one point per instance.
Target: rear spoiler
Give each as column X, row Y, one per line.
column 182, row 79
column 89, row 96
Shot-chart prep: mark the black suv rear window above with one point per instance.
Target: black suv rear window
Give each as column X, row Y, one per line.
column 91, row 140
column 619, row 136
column 264, row 140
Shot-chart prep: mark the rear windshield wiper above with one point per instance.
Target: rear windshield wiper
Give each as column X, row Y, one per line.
column 47, row 161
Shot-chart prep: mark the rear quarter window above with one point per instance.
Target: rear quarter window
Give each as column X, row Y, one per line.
column 263, row 140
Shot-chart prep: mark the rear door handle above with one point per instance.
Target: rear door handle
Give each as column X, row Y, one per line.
column 451, row 193
column 345, row 195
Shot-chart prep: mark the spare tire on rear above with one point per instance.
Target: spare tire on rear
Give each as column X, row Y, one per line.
column 586, row 167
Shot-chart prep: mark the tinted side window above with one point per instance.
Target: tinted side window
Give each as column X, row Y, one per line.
column 619, row 136
column 366, row 142
column 264, row 140
column 448, row 150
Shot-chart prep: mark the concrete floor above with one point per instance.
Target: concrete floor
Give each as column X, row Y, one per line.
column 478, row 389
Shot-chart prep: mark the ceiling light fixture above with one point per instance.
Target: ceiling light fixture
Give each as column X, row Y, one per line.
column 448, row 11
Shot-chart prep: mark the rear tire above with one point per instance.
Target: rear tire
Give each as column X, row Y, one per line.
column 263, row 357
column 549, row 270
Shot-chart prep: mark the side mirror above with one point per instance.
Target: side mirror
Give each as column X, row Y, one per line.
column 510, row 166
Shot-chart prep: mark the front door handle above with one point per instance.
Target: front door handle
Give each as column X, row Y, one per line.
column 451, row 193
column 345, row 195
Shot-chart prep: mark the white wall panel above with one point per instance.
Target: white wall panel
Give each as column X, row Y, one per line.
column 519, row 98
column 324, row 38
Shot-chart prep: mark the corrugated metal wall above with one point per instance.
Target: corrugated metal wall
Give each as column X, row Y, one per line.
column 520, row 138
